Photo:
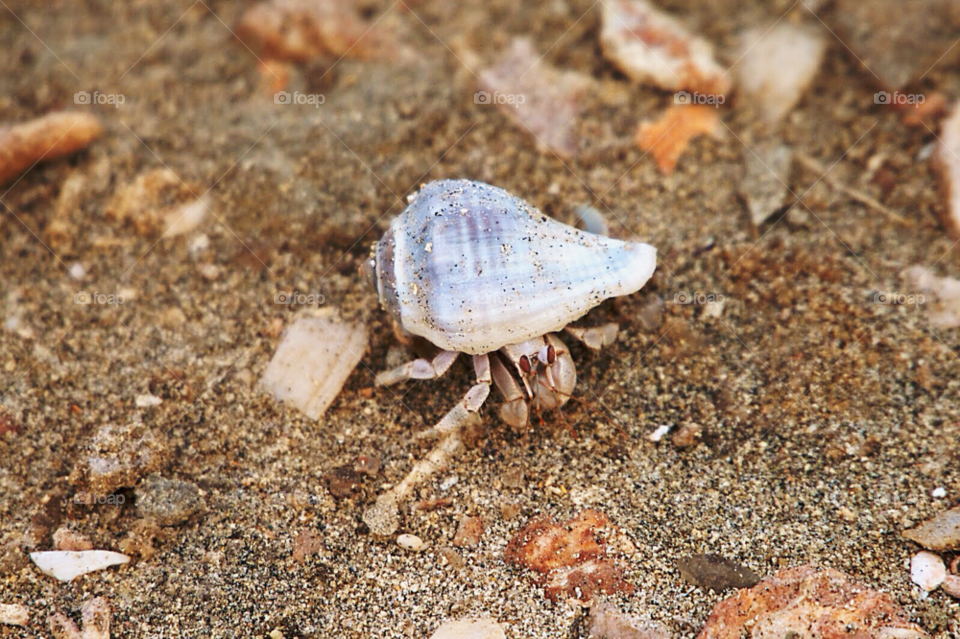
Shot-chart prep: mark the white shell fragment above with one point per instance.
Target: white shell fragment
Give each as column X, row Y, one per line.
column 653, row 47
column 411, row 542
column 776, row 66
column 471, row 268
column 659, row 433
column 14, row 614
column 541, row 98
column 927, row 570
column 313, row 361
column 939, row 295
column 469, row 629
column 946, row 162
column 66, row 565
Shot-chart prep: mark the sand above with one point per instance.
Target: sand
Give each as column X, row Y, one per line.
column 828, row 419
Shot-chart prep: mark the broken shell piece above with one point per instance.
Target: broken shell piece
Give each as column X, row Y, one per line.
column 312, row 363
column 48, row 138
column 301, row 30
column 946, row 163
column 469, row 629
column 776, row 66
column 157, row 202
column 95, row 618
column 668, row 137
column 652, row 47
column 607, row 622
column 66, row 565
column 541, row 98
column 942, row 532
column 927, row 570
column 765, row 179
column 14, row 614
column 941, row 296
column 808, row 601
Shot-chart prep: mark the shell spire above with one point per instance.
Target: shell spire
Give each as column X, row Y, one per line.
column 472, row 268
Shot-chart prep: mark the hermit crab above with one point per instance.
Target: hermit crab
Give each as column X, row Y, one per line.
column 473, row 269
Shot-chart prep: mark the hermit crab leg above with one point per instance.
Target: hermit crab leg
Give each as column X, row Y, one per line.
column 383, row 517
column 597, row 337
column 418, row 369
column 514, row 409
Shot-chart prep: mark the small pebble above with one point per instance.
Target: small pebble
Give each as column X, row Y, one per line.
column 469, row 532
column 14, row 614
column 687, row 436
column 713, row 572
column 951, row 586
column 469, row 629
column 927, row 570
column 169, row 502
column 939, row 533
column 146, row 401
column 47, row 138
column 659, row 433
column 411, row 542
column 939, row 493
column 66, row 539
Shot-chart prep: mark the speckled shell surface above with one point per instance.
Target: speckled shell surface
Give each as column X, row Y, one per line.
column 471, row 268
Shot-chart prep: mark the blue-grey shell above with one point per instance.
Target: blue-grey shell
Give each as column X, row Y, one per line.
column 472, row 268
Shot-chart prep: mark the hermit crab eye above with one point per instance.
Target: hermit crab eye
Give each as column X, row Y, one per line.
column 525, row 365
column 547, row 355
column 369, row 270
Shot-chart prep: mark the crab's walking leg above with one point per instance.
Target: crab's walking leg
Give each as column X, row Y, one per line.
column 383, row 517
column 597, row 337
column 418, row 369
column 514, row 409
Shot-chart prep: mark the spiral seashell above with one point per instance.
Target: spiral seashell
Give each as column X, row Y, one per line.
column 471, row 268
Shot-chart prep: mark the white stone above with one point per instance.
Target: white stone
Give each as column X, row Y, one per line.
column 411, row 542
column 312, row 363
column 658, row 434
column 146, row 401
column 939, row 493
column 927, row 570
column 653, row 47
column 184, row 219
column 940, row 296
column 946, row 162
column 469, row 629
column 14, row 614
column 68, row 565
column 777, row 66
